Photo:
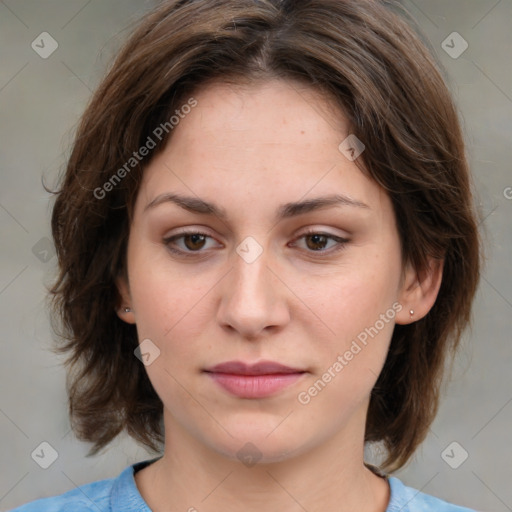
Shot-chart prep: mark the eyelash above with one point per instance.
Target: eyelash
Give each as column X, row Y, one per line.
column 342, row 242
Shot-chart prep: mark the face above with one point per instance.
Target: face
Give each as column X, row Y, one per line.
column 266, row 272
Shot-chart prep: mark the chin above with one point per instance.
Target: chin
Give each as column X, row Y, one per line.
column 252, row 444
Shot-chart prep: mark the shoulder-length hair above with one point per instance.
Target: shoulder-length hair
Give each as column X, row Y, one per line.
column 366, row 57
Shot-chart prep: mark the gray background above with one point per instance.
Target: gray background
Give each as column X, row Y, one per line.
column 40, row 102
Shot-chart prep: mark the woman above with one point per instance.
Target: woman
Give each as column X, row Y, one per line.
column 267, row 250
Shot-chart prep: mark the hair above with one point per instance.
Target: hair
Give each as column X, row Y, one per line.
column 365, row 56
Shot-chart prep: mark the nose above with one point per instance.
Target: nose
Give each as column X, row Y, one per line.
column 253, row 298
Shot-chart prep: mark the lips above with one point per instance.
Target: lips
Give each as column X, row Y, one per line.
column 260, row 368
column 258, row 380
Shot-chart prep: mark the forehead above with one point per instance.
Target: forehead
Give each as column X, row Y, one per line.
column 269, row 139
column 263, row 95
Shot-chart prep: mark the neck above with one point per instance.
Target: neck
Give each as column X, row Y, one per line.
column 329, row 476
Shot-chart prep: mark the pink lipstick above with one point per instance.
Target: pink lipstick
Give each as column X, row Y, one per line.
column 258, row 380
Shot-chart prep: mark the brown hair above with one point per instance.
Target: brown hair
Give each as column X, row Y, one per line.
column 369, row 60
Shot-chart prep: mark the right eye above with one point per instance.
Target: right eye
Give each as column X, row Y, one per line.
column 191, row 242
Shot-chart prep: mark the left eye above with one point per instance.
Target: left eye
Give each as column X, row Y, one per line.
column 317, row 242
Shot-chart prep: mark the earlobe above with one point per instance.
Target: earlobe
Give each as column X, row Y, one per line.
column 124, row 310
column 419, row 291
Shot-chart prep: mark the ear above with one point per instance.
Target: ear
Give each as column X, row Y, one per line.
column 126, row 301
column 419, row 291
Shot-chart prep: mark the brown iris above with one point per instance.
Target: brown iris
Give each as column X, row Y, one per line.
column 197, row 241
column 317, row 240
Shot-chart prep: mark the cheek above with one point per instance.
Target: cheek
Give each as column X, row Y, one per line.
column 350, row 361
column 358, row 305
column 170, row 310
column 354, row 297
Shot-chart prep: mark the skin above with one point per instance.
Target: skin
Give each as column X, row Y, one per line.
column 250, row 149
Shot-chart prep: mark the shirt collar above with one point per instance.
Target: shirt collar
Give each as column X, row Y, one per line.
column 125, row 494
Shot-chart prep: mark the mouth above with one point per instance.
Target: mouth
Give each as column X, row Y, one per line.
column 259, row 368
column 258, row 380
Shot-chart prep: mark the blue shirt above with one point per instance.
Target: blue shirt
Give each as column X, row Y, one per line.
column 120, row 494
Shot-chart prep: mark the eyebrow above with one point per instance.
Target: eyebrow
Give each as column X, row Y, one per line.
column 285, row 211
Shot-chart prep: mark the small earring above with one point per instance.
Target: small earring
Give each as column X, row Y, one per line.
column 411, row 312
column 127, row 309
